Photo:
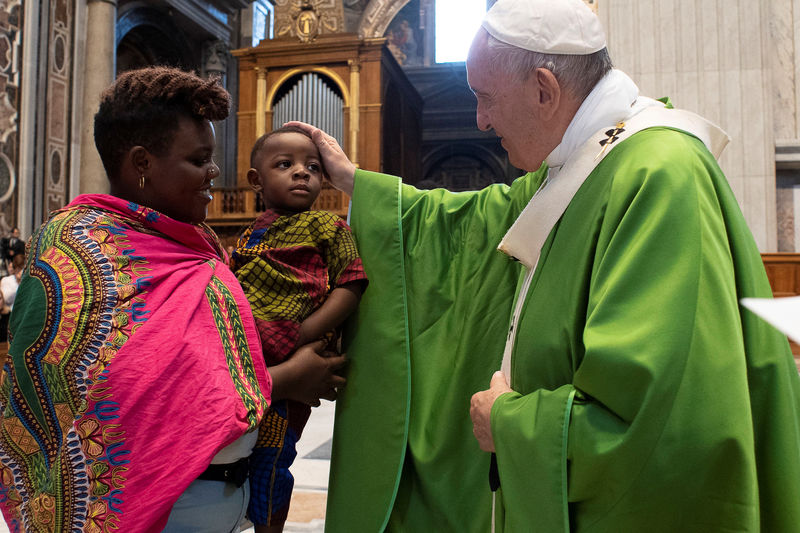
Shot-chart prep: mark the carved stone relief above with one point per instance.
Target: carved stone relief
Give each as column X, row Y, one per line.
column 353, row 9
column 59, row 96
column 306, row 19
column 378, row 15
column 215, row 58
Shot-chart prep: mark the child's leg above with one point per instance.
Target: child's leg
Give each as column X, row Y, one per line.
column 271, row 482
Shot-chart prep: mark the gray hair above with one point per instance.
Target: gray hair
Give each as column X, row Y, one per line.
column 576, row 73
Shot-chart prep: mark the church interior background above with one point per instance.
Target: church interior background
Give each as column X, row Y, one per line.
column 734, row 62
column 368, row 67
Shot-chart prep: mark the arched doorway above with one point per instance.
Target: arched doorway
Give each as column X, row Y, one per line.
column 147, row 36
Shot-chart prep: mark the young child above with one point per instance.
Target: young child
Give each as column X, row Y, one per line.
column 302, row 275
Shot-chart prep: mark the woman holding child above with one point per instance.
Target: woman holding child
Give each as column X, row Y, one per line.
column 135, row 380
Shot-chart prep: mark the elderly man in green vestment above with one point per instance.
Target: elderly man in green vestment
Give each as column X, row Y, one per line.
column 634, row 394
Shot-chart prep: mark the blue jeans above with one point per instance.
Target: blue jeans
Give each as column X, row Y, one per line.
column 209, row 507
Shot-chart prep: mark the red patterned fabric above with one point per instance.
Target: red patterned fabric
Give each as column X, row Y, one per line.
column 287, row 265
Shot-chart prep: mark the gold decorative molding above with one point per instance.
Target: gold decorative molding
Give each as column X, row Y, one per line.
column 355, row 88
column 261, row 101
column 380, row 13
column 270, row 97
column 307, row 19
column 377, row 16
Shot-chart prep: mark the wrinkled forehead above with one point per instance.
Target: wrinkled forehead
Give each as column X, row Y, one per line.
column 480, row 67
column 479, row 58
column 478, row 48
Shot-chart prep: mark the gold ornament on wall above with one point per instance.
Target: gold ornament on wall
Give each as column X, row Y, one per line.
column 306, row 19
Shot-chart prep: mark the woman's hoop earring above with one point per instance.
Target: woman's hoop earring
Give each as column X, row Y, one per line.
column 141, row 181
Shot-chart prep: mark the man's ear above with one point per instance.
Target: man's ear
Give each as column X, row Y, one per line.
column 254, row 179
column 549, row 95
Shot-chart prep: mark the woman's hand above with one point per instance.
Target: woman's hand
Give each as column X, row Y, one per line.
column 339, row 169
column 308, row 375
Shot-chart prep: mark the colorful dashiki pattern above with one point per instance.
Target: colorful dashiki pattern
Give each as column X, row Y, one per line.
column 130, row 365
column 287, row 265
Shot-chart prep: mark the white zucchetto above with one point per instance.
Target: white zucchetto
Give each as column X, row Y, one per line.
column 546, row 26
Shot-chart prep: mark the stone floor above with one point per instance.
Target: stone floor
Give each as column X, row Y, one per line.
column 307, row 512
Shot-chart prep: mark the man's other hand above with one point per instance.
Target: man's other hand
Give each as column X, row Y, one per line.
column 480, row 410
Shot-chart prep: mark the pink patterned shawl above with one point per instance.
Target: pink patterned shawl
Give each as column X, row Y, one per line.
column 134, row 359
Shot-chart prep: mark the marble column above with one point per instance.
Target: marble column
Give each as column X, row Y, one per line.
column 100, row 66
column 355, row 108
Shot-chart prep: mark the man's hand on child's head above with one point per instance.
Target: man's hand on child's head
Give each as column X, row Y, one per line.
column 338, row 167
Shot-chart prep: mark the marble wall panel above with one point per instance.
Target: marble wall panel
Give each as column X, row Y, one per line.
column 793, row 43
column 756, row 205
column 783, row 69
column 710, row 57
column 709, row 30
column 689, row 35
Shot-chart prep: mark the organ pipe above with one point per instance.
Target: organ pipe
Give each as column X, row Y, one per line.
column 313, row 101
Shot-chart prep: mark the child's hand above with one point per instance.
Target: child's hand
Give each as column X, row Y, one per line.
column 303, row 338
column 308, row 376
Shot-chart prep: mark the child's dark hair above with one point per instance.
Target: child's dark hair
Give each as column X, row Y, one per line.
column 142, row 108
column 259, row 144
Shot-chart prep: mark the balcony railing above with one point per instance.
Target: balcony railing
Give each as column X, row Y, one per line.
column 238, row 206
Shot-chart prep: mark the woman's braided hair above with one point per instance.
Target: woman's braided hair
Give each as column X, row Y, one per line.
column 142, row 108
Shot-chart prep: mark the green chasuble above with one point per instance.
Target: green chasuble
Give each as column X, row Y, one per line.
column 645, row 398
